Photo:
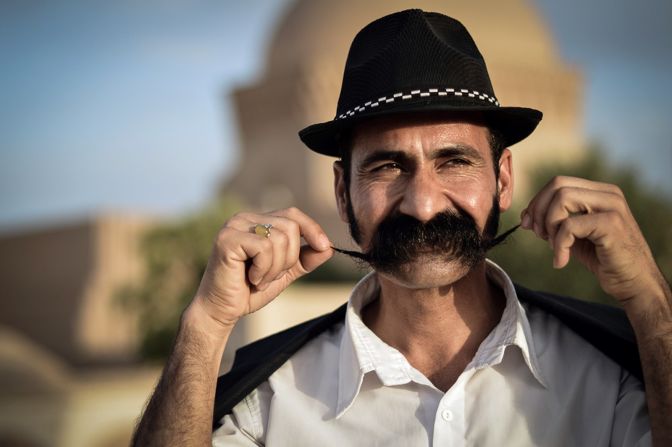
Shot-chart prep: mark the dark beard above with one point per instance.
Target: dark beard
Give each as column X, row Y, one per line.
column 401, row 239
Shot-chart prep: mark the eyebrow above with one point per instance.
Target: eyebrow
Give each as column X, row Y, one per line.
column 400, row 156
column 457, row 150
column 386, row 155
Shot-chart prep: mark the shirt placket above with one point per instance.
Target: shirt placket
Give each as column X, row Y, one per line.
column 449, row 421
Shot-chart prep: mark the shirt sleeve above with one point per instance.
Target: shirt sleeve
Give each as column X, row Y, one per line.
column 631, row 419
column 246, row 425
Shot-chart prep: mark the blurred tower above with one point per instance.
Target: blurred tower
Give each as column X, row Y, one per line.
column 302, row 76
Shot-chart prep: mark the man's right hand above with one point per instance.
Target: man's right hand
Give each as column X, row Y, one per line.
column 244, row 273
column 247, row 271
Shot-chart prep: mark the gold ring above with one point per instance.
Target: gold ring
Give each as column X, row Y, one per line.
column 263, row 230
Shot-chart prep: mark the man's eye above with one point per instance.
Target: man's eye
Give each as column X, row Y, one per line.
column 456, row 162
column 387, row 167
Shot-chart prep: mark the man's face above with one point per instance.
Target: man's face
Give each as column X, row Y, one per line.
column 423, row 174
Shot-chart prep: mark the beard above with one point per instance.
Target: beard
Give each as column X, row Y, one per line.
column 450, row 236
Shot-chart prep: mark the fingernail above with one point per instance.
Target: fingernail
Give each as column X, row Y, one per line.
column 525, row 223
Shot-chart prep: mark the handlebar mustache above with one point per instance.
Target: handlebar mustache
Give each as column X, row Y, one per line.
column 491, row 244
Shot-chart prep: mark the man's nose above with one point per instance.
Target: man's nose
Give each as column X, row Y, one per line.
column 423, row 197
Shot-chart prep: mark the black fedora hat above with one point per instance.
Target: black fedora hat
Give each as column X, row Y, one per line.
column 416, row 62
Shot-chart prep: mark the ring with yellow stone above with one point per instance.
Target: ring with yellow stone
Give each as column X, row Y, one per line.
column 263, row 230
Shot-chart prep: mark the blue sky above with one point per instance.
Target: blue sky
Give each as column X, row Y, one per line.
column 122, row 105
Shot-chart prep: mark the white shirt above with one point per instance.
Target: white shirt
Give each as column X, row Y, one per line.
column 532, row 382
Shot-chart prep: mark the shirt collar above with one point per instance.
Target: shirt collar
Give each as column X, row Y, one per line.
column 512, row 330
column 361, row 351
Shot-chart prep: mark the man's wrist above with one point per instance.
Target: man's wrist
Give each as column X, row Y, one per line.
column 651, row 312
column 196, row 322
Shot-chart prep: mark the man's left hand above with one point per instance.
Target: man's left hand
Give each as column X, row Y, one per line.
column 592, row 222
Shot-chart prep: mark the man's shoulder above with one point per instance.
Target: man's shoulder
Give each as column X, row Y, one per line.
column 604, row 327
column 572, row 310
column 288, row 341
column 255, row 362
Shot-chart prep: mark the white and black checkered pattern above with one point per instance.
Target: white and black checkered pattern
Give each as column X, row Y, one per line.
column 420, row 93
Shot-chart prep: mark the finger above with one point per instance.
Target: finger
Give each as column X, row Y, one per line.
column 310, row 230
column 532, row 216
column 259, row 252
column 310, row 259
column 572, row 200
column 587, row 226
column 285, row 237
column 248, row 221
column 292, row 233
column 279, row 243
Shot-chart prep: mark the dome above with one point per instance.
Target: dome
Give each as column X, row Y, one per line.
column 318, row 29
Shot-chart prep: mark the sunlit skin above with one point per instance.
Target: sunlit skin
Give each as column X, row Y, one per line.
column 420, row 167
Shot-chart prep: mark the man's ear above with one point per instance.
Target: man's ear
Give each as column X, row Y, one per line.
column 340, row 190
column 505, row 181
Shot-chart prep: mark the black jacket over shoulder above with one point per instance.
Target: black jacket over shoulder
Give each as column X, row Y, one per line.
column 605, row 327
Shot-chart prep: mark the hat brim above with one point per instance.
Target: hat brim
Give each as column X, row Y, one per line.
column 514, row 123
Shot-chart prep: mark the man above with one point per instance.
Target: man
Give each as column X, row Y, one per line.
column 436, row 346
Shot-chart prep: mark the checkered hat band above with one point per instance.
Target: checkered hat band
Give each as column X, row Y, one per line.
column 402, row 96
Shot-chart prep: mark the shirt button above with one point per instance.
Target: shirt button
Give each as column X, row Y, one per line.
column 447, row 415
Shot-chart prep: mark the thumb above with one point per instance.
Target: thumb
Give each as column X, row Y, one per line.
column 310, row 259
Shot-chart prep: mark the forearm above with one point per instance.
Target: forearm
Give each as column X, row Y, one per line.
column 180, row 411
column 652, row 323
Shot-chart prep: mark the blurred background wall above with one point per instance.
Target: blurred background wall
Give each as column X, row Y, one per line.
column 130, row 132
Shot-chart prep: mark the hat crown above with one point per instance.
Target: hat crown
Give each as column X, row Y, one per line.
column 416, row 62
column 411, row 50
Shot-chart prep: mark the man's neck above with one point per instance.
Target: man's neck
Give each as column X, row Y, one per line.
column 440, row 329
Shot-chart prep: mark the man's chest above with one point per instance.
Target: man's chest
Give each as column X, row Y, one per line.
column 490, row 407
